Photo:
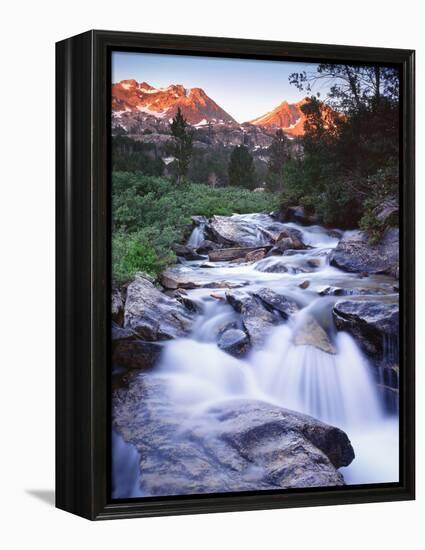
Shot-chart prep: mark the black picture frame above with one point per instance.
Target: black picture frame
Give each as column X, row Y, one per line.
column 83, row 279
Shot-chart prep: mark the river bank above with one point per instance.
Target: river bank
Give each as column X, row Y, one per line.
column 268, row 359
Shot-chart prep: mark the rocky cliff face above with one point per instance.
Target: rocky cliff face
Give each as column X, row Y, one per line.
column 196, row 106
column 290, row 118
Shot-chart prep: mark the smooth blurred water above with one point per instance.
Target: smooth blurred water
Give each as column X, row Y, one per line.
column 337, row 388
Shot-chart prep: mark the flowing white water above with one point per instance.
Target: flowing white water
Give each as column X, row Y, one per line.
column 196, row 237
column 337, row 388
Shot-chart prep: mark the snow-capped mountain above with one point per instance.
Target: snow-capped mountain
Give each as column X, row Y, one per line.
column 195, row 105
column 290, row 118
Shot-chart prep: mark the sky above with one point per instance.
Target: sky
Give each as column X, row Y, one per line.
column 245, row 88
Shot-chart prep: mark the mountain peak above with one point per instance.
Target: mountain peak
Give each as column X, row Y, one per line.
column 290, row 118
column 196, row 106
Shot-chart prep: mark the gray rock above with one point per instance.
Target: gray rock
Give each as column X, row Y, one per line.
column 234, row 341
column 228, row 231
column 354, row 253
column 285, row 306
column 310, row 333
column 387, row 211
column 256, row 318
column 281, row 246
column 229, row 254
column 374, row 324
column 237, row 446
column 199, row 220
column 153, row 315
column 130, row 352
column 177, row 278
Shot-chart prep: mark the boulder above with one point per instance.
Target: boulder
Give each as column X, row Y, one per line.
column 153, row 315
column 374, row 324
column 176, row 277
column 240, row 445
column 308, row 332
column 354, row 253
column 233, row 232
column 387, row 212
column 234, row 341
column 281, row 246
column 297, row 238
column 130, row 352
column 256, row 318
column 285, row 306
column 229, row 254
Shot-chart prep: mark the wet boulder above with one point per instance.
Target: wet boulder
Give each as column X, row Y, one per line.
column 387, row 212
column 256, row 318
column 374, row 324
column 234, row 341
column 278, row 302
column 153, row 315
column 182, row 278
column 281, row 246
column 232, row 232
column 230, row 254
column 354, row 253
column 308, row 332
column 239, row 445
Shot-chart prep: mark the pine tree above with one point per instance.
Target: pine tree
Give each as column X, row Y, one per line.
column 278, row 156
column 241, row 168
column 183, row 145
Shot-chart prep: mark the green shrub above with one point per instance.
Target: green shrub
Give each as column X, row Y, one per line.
column 150, row 214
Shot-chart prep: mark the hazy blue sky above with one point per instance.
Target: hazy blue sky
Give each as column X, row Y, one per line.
column 246, row 89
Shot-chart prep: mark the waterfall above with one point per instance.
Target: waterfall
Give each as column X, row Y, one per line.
column 196, row 237
column 339, row 387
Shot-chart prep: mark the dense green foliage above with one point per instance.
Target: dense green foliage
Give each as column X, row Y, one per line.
column 241, row 168
column 350, row 163
column 151, row 214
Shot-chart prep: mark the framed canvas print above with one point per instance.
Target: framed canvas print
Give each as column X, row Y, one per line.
column 235, row 274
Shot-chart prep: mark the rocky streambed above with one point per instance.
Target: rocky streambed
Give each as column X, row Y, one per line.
column 267, row 358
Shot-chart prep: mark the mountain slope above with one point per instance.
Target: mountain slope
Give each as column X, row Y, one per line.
column 196, row 106
column 290, row 118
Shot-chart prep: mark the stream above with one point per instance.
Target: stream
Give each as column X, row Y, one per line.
column 339, row 388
